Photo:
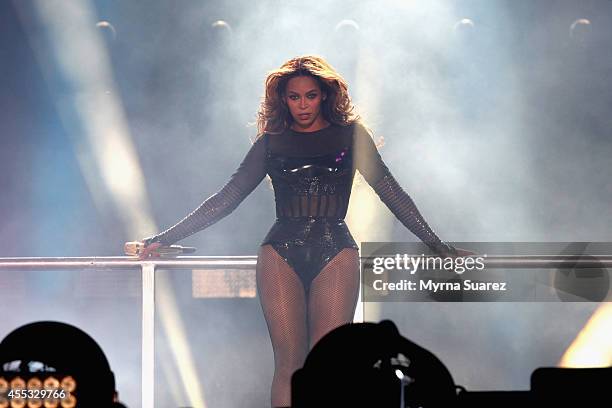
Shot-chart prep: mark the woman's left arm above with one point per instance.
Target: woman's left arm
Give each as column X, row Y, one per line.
column 244, row 180
column 371, row 166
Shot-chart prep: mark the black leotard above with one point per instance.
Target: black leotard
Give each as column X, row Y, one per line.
column 312, row 174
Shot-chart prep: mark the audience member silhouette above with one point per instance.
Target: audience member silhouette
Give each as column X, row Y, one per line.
column 371, row 365
column 56, row 356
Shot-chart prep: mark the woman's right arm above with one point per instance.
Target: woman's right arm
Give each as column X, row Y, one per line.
column 244, row 180
column 375, row 172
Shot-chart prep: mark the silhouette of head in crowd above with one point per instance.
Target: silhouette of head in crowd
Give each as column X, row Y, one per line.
column 57, row 356
column 368, row 365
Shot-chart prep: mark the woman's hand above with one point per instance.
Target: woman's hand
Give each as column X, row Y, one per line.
column 445, row 249
column 149, row 251
column 142, row 250
column 464, row 252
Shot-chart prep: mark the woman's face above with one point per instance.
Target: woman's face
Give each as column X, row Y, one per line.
column 304, row 97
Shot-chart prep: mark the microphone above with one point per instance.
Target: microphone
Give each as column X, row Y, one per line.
column 135, row 248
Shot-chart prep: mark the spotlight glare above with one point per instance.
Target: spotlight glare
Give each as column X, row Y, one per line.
column 346, row 26
column 107, row 29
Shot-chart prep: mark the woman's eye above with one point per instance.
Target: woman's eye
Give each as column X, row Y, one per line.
column 293, row 97
column 312, row 96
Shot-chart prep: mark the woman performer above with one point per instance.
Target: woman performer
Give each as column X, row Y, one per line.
column 310, row 143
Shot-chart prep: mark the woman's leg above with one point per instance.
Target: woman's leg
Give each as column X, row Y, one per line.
column 333, row 294
column 284, row 306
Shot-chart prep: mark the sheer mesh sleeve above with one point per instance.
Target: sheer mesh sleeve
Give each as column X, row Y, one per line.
column 244, row 180
column 371, row 166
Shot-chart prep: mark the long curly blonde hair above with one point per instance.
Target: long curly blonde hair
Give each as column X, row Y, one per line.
column 274, row 117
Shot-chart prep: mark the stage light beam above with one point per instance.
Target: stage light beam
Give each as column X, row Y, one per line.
column 593, row 345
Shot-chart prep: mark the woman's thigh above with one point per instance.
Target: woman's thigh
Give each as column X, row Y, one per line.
column 333, row 294
column 283, row 301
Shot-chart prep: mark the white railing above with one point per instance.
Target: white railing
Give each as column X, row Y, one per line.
column 147, row 268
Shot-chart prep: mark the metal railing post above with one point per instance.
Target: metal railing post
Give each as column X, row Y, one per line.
column 148, row 334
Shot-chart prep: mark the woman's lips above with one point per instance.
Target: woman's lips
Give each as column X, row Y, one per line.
column 304, row 116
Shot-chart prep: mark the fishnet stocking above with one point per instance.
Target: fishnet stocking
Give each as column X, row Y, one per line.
column 333, row 294
column 284, row 306
column 293, row 320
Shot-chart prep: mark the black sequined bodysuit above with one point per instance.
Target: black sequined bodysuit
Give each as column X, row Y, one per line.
column 312, row 174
